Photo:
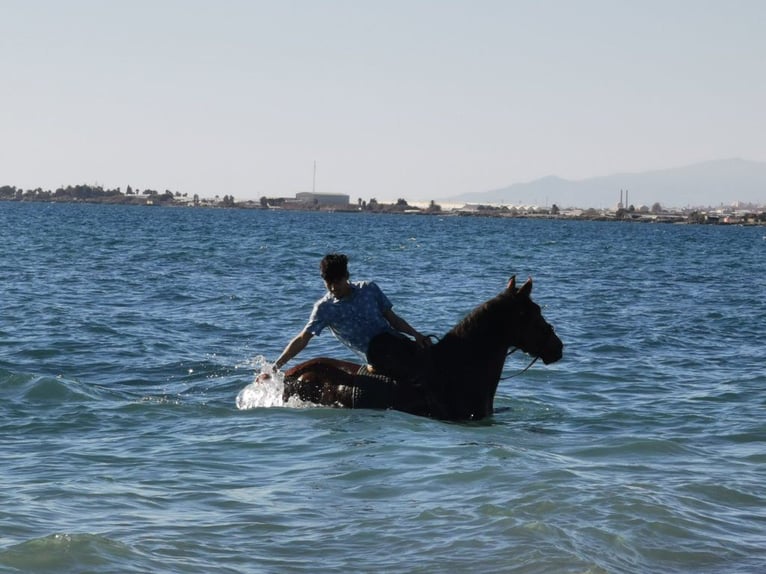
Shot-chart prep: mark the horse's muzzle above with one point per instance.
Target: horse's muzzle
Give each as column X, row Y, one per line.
column 553, row 349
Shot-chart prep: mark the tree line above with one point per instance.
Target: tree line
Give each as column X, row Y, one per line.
column 96, row 193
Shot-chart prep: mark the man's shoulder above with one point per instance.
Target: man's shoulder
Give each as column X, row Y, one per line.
column 323, row 300
column 369, row 289
column 371, row 292
column 364, row 285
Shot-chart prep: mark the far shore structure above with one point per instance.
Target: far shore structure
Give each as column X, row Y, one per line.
column 323, row 199
column 738, row 213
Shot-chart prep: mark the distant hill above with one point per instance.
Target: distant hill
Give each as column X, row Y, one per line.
column 710, row 183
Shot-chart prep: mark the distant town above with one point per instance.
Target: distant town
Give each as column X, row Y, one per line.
column 739, row 214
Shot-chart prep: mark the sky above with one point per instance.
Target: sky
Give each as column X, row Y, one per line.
column 414, row 99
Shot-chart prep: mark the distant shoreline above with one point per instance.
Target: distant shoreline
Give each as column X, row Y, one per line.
column 97, row 195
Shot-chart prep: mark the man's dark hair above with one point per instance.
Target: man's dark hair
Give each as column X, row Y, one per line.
column 334, row 266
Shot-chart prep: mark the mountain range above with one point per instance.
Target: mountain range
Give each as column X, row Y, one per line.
column 706, row 184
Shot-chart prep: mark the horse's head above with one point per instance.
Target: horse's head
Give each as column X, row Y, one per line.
column 530, row 331
column 510, row 319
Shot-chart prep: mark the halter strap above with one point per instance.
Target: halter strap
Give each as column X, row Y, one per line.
column 522, row 371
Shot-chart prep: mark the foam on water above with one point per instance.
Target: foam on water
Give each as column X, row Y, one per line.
column 267, row 389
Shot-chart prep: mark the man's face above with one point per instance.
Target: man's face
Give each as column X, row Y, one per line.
column 338, row 287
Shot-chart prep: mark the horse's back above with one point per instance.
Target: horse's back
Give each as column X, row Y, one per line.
column 323, row 364
column 340, row 383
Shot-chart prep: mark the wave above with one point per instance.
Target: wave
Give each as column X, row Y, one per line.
column 65, row 553
column 73, row 553
column 27, row 388
column 26, row 393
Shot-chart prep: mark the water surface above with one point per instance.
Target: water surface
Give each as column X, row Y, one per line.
column 126, row 334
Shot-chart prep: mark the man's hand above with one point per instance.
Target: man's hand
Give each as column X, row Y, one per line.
column 422, row 340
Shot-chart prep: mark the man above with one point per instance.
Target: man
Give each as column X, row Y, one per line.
column 362, row 318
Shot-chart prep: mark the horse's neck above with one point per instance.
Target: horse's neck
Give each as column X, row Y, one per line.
column 479, row 344
column 458, row 355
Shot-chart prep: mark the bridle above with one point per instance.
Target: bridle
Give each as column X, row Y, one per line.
column 525, row 369
column 522, row 371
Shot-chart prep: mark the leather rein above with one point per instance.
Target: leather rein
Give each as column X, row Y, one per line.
column 522, row 371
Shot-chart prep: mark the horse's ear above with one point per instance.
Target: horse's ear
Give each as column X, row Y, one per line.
column 512, row 283
column 526, row 289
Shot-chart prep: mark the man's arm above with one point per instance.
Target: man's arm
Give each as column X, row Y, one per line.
column 404, row 327
column 294, row 347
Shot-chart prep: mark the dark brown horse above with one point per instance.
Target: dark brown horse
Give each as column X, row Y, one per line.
column 461, row 371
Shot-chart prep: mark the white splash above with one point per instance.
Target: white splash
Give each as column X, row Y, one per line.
column 267, row 389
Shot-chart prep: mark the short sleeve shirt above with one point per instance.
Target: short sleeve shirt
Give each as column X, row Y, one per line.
column 355, row 319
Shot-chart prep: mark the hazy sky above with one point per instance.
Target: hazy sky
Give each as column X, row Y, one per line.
column 413, row 99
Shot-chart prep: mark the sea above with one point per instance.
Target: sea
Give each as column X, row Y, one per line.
column 128, row 333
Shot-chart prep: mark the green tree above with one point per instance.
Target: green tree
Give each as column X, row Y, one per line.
column 7, row 192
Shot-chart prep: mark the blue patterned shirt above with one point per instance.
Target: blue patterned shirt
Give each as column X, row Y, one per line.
column 355, row 319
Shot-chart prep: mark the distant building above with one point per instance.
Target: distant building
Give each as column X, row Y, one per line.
column 323, row 198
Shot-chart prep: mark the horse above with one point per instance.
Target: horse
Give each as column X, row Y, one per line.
column 460, row 372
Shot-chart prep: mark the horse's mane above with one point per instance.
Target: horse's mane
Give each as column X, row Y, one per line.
column 486, row 321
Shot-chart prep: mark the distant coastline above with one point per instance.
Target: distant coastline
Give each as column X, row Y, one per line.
column 732, row 215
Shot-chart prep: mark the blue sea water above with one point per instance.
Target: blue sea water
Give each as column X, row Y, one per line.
column 126, row 334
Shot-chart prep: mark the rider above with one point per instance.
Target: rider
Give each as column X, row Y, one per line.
column 361, row 317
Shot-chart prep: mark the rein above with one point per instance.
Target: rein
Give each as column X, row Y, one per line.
column 522, row 371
